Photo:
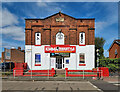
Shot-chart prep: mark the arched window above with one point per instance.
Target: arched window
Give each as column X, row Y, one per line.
column 37, row 38
column 59, row 38
column 82, row 38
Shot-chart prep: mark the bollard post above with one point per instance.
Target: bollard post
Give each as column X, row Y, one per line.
column 31, row 73
column 65, row 74
column 14, row 74
column 83, row 74
column 102, row 74
column 48, row 74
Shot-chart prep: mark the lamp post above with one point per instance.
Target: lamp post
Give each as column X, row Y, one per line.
column 97, row 57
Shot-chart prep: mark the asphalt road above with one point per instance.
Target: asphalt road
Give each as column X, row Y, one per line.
column 58, row 86
column 106, row 86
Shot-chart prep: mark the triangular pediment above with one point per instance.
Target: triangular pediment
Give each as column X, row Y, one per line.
column 59, row 14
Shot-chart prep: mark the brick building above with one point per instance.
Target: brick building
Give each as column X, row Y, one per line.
column 60, row 41
column 14, row 55
column 114, row 49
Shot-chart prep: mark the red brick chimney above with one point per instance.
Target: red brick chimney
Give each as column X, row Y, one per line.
column 19, row 48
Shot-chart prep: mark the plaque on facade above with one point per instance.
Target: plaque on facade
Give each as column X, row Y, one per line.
column 59, row 19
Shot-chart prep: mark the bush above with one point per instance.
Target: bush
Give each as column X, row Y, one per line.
column 112, row 64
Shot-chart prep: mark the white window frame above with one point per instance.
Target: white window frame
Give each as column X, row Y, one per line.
column 82, row 38
column 37, row 38
column 60, row 38
column 35, row 58
column 80, row 58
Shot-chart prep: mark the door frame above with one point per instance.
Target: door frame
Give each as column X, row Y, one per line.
column 56, row 64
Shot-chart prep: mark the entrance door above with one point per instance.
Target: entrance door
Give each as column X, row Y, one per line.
column 59, row 62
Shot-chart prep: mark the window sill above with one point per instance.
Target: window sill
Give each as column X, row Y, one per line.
column 37, row 45
column 82, row 45
column 37, row 64
column 82, row 64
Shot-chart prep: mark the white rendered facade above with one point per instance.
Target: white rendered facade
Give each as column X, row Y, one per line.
column 48, row 62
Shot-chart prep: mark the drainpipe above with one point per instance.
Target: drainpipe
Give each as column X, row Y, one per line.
column 31, row 53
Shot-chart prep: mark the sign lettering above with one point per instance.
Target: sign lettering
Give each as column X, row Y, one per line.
column 60, row 49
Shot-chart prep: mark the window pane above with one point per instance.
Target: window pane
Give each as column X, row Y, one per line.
column 82, row 58
column 37, row 58
column 82, row 38
column 37, row 38
column 59, row 38
column 67, row 61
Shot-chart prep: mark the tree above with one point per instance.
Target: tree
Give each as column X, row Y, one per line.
column 99, row 43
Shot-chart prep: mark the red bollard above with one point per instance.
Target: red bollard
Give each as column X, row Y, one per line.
column 66, row 69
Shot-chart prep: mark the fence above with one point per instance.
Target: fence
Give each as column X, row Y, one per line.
column 84, row 73
column 52, row 74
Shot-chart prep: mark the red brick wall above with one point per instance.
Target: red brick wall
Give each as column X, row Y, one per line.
column 49, row 28
column 112, row 51
column 2, row 58
column 16, row 56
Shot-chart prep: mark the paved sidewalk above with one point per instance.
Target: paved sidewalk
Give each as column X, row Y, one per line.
column 49, row 85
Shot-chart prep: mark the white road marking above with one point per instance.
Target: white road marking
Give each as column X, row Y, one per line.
column 95, row 87
column 116, row 84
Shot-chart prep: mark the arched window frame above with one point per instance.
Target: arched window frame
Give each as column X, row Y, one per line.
column 58, row 40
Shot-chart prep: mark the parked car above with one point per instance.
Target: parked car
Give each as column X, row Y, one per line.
column 6, row 66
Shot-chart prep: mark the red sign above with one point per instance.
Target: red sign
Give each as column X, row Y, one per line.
column 60, row 49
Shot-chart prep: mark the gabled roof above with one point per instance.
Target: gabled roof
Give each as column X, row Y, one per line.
column 60, row 13
column 115, row 41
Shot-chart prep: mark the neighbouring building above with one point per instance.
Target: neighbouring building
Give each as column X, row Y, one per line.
column 60, row 41
column 114, row 50
column 13, row 55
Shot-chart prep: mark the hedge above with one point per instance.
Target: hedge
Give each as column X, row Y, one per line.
column 112, row 64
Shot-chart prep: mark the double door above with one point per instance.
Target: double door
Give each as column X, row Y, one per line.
column 60, row 63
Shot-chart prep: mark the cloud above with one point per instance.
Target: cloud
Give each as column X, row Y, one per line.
column 50, row 7
column 9, row 28
column 14, row 32
column 42, row 4
column 100, row 26
column 8, row 18
column 7, row 44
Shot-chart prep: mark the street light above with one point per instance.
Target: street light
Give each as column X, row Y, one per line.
column 97, row 57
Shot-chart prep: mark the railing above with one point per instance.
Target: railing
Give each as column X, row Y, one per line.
column 84, row 73
column 51, row 74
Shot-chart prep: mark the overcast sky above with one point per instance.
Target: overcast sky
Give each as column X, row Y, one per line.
column 13, row 14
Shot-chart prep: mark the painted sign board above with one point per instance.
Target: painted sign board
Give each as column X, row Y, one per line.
column 60, row 49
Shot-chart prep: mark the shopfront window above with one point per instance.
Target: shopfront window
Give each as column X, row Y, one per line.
column 38, row 58
column 67, row 61
column 81, row 58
